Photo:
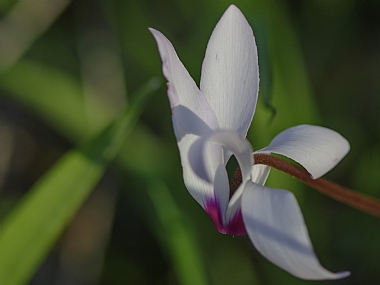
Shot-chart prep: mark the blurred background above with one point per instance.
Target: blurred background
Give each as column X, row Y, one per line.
column 68, row 68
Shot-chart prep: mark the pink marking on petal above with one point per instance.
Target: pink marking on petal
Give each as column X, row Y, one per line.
column 234, row 227
column 212, row 208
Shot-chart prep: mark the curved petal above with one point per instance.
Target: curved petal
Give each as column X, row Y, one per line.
column 191, row 113
column 260, row 173
column 230, row 76
column 276, row 227
column 192, row 117
column 316, row 148
column 202, row 191
column 232, row 142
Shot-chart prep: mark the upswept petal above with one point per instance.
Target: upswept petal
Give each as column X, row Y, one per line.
column 192, row 117
column 230, row 76
column 232, row 142
column 202, row 191
column 316, row 148
column 191, row 112
column 276, row 227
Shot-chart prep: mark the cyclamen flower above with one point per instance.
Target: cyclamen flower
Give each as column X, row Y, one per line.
column 210, row 125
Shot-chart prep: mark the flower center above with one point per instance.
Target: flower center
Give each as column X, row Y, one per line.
column 235, row 182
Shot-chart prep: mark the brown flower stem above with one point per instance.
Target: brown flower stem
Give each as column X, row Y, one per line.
column 331, row 189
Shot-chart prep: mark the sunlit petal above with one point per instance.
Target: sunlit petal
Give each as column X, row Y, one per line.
column 230, row 77
column 200, row 189
column 316, row 148
column 260, row 173
column 192, row 117
column 276, row 227
column 190, row 110
column 230, row 141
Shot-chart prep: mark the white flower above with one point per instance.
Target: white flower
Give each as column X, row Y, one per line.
column 211, row 123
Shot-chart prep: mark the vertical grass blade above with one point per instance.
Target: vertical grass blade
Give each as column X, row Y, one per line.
column 177, row 237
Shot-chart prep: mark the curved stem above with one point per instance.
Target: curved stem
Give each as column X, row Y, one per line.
column 329, row 188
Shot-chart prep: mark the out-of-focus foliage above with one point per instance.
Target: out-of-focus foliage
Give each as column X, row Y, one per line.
column 69, row 68
column 43, row 213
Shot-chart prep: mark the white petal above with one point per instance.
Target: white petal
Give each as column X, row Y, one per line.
column 231, row 141
column 276, row 227
column 316, row 148
column 202, row 190
column 230, row 76
column 191, row 112
column 192, row 117
column 222, row 189
column 259, row 173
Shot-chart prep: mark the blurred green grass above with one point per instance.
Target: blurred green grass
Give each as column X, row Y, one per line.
column 77, row 75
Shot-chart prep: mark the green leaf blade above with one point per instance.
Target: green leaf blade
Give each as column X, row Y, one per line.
column 33, row 226
column 30, row 231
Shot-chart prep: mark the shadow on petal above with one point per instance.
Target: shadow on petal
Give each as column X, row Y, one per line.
column 271, row 233
column 186, row 122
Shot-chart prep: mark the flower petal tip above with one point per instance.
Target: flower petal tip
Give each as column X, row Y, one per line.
column 316, row 148
column 275, row 225
column 343, row 274
column 230, row 75
column 233, row 9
